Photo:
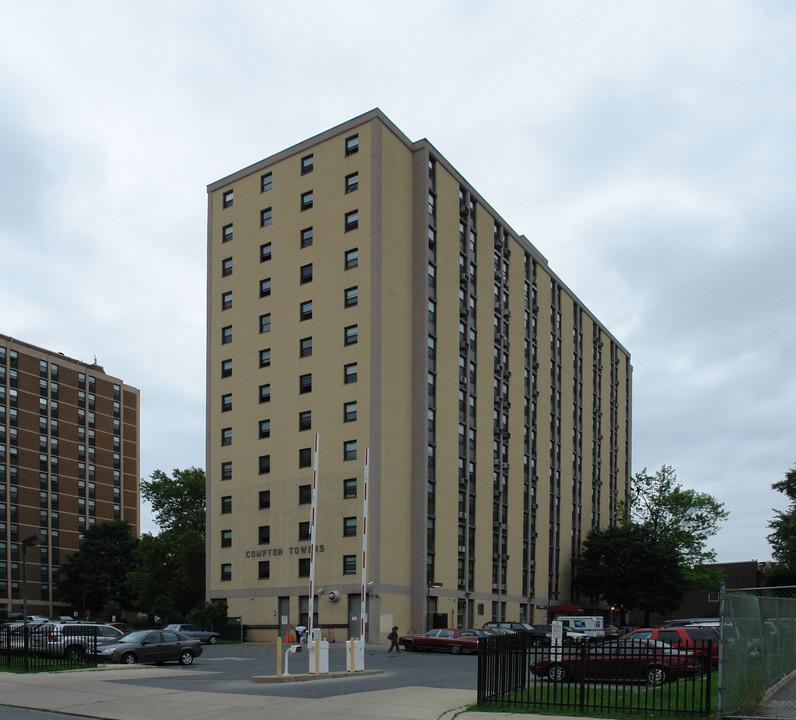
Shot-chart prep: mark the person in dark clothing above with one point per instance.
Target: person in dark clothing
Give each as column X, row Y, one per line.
column 394, row 640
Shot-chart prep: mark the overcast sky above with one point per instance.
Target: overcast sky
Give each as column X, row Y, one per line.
column 646, row 148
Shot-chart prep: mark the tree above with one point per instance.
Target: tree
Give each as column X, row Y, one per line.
column 628, row 567
column 169, row 577
column 95, row 576
column 179, row 501
column 783, row 536
column 685, row 518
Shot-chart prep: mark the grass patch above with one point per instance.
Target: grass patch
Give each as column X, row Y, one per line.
column 676, row 701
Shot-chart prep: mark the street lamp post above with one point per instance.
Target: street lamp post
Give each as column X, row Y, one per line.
column 26, row 543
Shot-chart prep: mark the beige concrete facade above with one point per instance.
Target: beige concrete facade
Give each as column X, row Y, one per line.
column 494, row 405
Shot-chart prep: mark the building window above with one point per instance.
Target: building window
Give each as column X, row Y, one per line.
column 226, row 300
column 226, row 233
column 306, row 200
column 305, row 273
column 265, row 287
column 351, row 296
column 351, row 182
column 265, row 252
column 226, row 402
column 226, row 335
column 304, row 567
column 229, row 198
column 305, row 420
column 264, row 535
column 305, row 457
column 349, row 527
column 264, row 428
column 305, row 310
column 351, row 335
column 265, row 357
column 264, row 464
column 265, row 323
column 351, row 220
column 304, row 531
column 305, row 384
column 264, row 499
column 351, row 258
column 226, row 538
column 265, row 217
column 306, row 237
column 350, row 450
column 266, row 182
column 352, row 145
column 305, row 347
column 226, row 470
column 226, row 267
column 349, row 373
column 263, row 569
column 226, row 572
column 350, row 411
column 265, row 393
column 349, row 488
column 307, row 164
column 305, row 494
column 226, row 367
column 226, row 505
column 226, row 436
column 349, row 564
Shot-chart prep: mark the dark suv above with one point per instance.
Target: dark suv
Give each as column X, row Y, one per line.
column 539, row 635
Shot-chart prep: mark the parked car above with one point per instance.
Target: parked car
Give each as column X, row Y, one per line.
column 151, row 646
column 685, row 637
column 619, row 660
column 539, row 634
column 194, row 631
column 71, row 640
column 444, row 639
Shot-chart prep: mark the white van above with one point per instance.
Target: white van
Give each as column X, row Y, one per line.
column 591, row 626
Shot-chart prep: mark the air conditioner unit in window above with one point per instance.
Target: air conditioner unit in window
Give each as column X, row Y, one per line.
column 462, row 548
column 463, row 379
column 463, row 515
column 461, row 583
column 507, row 313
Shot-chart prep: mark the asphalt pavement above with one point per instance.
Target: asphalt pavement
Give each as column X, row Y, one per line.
column 409, row 686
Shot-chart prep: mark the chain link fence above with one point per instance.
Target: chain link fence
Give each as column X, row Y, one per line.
column 758, row 653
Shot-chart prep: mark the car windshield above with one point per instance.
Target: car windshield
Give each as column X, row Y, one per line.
column 134, row 636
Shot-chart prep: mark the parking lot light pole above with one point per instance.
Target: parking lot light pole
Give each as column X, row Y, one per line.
column 26, row 543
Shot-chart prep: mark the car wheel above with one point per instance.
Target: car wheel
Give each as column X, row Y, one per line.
column 213, row 639
column 74, row 653
column 127, row 659
column 409, row 645
column 456, row 650
column 557, row 672
column 657, row 675
column 186, row 657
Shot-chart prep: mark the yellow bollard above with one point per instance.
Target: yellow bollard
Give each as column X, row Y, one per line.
column 278, row 656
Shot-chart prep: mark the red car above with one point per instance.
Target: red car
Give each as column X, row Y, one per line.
column 692, row 639
column 619, row 660
column 443, row 639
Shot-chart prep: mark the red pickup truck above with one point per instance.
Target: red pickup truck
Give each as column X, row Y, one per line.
column 692, row 639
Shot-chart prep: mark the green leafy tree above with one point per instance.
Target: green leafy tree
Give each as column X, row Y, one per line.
column 783, row 536
column 94, row 576
column 208, row 614
column 628, row 567
column 169, row 577
column 681, row 517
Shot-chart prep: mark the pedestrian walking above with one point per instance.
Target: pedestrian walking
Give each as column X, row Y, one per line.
column 394, row 640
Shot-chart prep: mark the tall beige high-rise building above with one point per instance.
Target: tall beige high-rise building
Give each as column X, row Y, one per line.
column 360, row 289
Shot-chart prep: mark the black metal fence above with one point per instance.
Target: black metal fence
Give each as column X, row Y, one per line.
column 611, row 676
column 47, row 647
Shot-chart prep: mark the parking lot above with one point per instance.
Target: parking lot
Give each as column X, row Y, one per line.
column 227, row 668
